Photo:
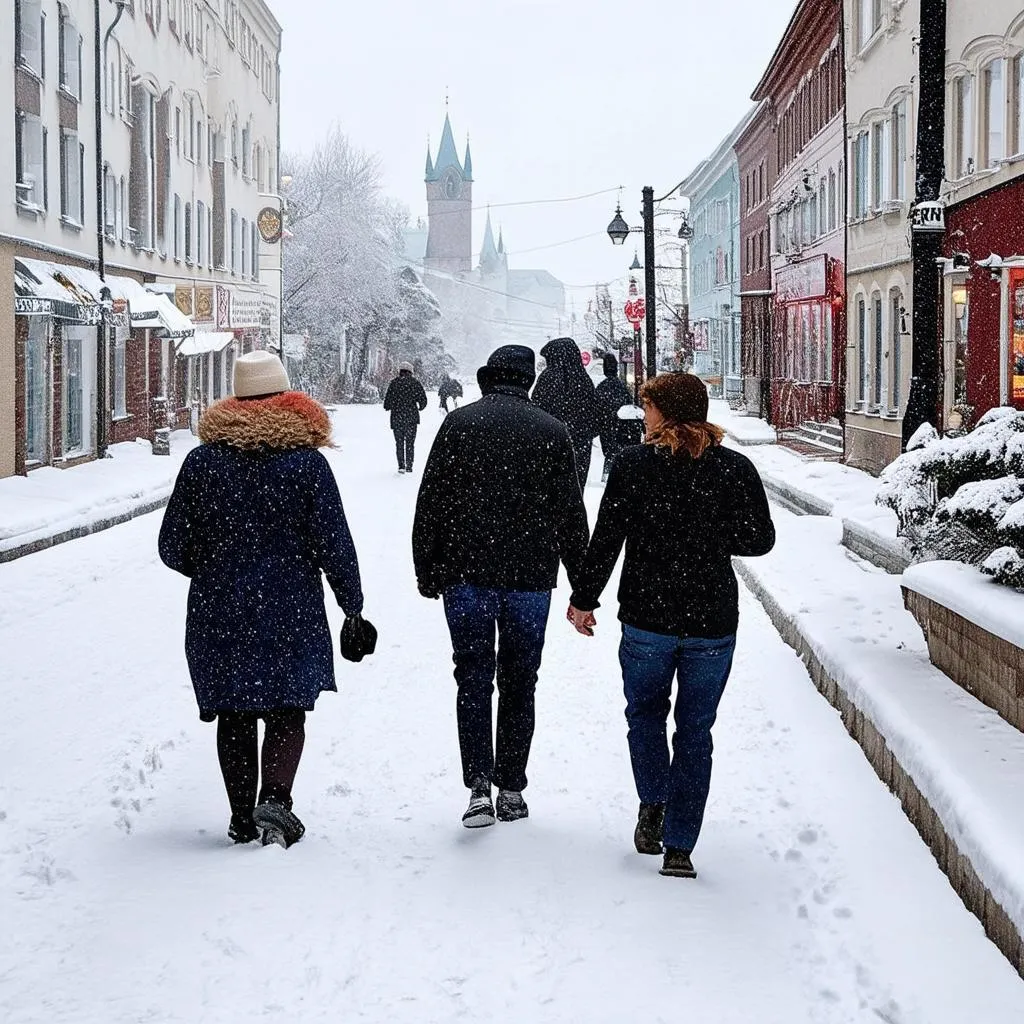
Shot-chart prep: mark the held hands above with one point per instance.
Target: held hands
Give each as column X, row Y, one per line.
column 583, row 622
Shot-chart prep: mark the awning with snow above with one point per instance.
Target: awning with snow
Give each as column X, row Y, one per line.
column 51, row 289
column 157, row 312
column 205, row 341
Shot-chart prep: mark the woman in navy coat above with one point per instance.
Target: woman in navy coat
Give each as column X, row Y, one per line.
column 254, row 519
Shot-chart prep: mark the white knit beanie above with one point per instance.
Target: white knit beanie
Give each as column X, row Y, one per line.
column 259, row 373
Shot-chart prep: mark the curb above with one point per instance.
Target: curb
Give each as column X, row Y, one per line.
column 76, row 532
column 955, row 865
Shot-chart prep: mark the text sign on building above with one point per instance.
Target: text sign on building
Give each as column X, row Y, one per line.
column 805, row 280
column 246, row 310
column 930, row 217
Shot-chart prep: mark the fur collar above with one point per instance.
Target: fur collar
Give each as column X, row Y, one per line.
column 288, row 420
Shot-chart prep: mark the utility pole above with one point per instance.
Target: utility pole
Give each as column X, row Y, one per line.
column 649, row 283
column 928, row 220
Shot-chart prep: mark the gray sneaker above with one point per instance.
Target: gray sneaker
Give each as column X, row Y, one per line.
column 480, row 812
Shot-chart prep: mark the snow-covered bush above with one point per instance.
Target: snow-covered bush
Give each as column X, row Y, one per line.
column 963, row 497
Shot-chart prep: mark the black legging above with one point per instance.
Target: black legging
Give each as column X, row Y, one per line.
column 238, row 751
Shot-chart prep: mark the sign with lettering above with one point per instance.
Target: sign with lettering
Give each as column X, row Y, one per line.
column 246, row 309
column 929, row 216
column 804, row 280
column 29, row 305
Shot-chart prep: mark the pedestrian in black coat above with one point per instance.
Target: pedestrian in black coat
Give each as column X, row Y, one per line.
column 254, row 521
column 612, row 395
column 565, row 390
column 499, row 507
column 405, row 399
column 449, row 390
column 684, row 506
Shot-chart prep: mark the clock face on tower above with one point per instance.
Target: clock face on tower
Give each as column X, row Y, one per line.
column 451, row 185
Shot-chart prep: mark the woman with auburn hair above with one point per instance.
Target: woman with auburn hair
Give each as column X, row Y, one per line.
column 683, row 505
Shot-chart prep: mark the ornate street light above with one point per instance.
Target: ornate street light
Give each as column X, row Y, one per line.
column 618, row 230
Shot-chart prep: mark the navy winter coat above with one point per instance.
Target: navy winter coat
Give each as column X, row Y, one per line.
column 404, row 399
column 254, row 519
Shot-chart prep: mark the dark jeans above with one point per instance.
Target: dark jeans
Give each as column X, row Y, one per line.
column 405, row 444
column 238, row 751
column 520, row 618
column 649, row 662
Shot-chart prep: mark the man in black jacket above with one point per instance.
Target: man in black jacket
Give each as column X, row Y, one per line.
column 499, row 506
column 404, row 399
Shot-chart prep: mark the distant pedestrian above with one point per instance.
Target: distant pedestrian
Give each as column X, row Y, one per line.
column 612, row 395
column 450, row 390
column 254, row 519
column 498, row 508
column 683, row 505
column 405, row 400
column 565, row 390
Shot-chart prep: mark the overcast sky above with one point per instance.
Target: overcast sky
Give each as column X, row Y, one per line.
column 559, row 98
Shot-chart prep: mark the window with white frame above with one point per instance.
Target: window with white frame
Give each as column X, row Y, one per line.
column 861, row 182
column 862, row 350
column 246, row 254
column 201, row 233
column 72, row 162
column 188, row 118
column 869, row 20
column 109, row 202
column 899, row 150
column 120, row 381
column 994, row 111
column 833, row 200
column 896, row 347
column 255, row 245
column 235, row 247
column 30, row 37
column 878, row 393
column 881, row 163
column 234, row 142
column 188, row 232
column 122, row 209
column 30, row 161
column 70, row 54
column 963, row 126
column 1017, row 106
column 177, row 229
column 247, row 151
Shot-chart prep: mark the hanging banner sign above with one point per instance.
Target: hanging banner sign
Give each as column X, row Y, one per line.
column 929, row 217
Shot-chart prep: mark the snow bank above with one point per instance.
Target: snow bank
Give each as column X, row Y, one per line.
column 973, row 596
column 965, row 760
column 52, row 502
column 746, row 430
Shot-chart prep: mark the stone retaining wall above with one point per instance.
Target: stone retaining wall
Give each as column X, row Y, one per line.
column 956, row 865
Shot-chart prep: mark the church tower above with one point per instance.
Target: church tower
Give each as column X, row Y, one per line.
column 449, row 208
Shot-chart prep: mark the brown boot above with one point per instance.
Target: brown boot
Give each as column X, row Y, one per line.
column 649, row 823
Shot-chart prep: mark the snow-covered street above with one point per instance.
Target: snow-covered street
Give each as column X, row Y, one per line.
column 123, row 901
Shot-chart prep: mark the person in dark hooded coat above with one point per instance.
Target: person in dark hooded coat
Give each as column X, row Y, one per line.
column 255, row 518
column 612, row 395
column 564, row 390
column 405, row 399
column 449, row 390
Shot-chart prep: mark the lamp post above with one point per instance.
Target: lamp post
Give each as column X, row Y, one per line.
column 271, row 224
column 618, row 230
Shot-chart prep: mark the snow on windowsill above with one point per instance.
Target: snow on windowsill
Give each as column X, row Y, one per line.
column 65, row 91
column 972, row 595
column 71, row 224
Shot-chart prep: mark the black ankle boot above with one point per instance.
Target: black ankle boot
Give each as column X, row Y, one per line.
column 677, row 863
column 649, row 824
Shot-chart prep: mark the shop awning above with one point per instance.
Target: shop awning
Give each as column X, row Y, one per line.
column 205, row 341
column 73, row 293
column 52, row 289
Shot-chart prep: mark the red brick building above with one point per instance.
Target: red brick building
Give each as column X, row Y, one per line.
column 755, row 152
column 803, row 92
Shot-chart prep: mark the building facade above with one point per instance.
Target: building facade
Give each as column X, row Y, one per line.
column 755, row 155
column 713, row 191
column 181, row 207
column 983, row 283
column 803, row 88
column 881, row 102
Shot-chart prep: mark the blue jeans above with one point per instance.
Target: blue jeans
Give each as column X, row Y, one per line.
column 520, row 618
column 649, row 662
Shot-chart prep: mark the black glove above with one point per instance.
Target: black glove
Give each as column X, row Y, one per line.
column 358, row 638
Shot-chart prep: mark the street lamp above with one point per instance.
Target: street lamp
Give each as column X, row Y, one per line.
column 271, row 224
column 618, row 229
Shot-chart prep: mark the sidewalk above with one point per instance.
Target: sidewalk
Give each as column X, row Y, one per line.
column 50, row 506
column 954, row 764
column 819, row 488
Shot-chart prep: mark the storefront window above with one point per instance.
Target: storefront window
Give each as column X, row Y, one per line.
column 826, row 353
column 1017, row 338
column 896, row 345
column 36, row 410
column 862, row 351
column 814, row 349
column 878, row 367
column 74, row 439
column 120, row 382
